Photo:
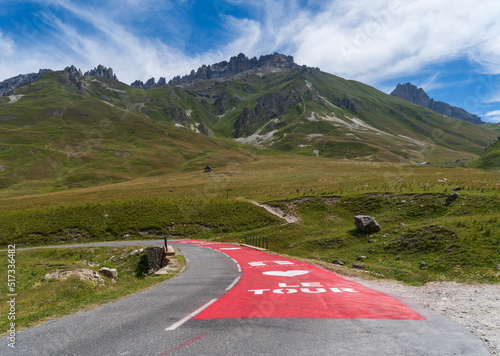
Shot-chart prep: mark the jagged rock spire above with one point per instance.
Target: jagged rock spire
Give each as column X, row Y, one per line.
column 102, row 72
column 73, row 71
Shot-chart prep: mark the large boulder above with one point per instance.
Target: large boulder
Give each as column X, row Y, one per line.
column 108, row 272
column 83, row 274
column 366, row 223
column 450, row 199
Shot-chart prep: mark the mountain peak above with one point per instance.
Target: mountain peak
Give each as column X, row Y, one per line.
column 237, row 65
column 73, row 71
column 102, row 72
column 412, row 93
column 415, row 95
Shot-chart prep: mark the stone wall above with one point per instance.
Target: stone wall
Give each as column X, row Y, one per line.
column 157, row 257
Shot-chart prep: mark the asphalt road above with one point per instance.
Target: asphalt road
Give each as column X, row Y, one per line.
column 168, row 319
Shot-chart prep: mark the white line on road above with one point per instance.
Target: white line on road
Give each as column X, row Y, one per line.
column 234, row 283
column 193, row 314
column 237, row 264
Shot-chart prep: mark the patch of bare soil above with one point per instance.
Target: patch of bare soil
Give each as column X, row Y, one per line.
column 288, row 217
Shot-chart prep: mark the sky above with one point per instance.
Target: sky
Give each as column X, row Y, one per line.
column 450, row 48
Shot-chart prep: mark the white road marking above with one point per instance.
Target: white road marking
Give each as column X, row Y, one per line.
column 237, row 264
column 193, row 314
column 198, row 311
column 234, row 283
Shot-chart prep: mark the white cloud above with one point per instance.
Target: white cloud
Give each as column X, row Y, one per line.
column 374, row 40
column 15, row 60
column 248, row 40
column 134, row 56
column 366, row 40
column 111, row 44
column 431, row 83
column 492, row 116
column 6, row 46
column 493, row 98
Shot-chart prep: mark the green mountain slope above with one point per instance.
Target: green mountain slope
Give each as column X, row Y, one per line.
column 492, row 126
column 66, row 131
column 490, row 159
column 311, row 112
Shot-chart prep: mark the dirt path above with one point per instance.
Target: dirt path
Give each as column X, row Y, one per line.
column 289, row 218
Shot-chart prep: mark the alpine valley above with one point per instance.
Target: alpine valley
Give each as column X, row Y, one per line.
column 62, row 129
column 294, row 154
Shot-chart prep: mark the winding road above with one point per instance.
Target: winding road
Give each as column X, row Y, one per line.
column 233, row 300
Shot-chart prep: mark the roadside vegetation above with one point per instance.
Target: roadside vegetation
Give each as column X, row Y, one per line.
column 39, row 300
column 87, row 159
column 421, row 240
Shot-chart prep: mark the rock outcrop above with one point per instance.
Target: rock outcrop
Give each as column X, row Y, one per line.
column 366, row 223
column 450, row 199
column 108, row 272
column 73, row 71
column 24, row 79
column 347, row 102
column 177, row 114
column 69, row 80
column 237, row 65
column 411, row 93
column 102, row 72
column 224, row 102
column 270, row 105
column 84, row 274
column 20, row 80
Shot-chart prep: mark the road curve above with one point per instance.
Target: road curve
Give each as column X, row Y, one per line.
column 200, row 312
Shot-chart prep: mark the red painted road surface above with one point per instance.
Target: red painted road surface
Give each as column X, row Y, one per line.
column 275, row 287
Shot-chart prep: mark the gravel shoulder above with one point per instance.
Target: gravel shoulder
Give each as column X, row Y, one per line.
column 475, row 306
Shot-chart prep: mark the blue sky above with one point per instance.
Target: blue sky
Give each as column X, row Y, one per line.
column 450, row 48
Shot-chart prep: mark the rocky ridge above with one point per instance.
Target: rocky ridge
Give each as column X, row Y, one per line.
column 236, row 65
column 20, row 80
column 102, row 72
column 411, row 93
column 73, row 71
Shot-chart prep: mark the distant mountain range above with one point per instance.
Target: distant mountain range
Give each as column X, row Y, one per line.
column 236, row 65
column 62, row 129
column 411, row 93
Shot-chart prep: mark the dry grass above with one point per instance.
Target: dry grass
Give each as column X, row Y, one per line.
column 274, row 177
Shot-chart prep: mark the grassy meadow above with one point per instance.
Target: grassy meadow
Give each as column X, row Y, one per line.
column 421, row 239
column 87, row 159
column 40, row 300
